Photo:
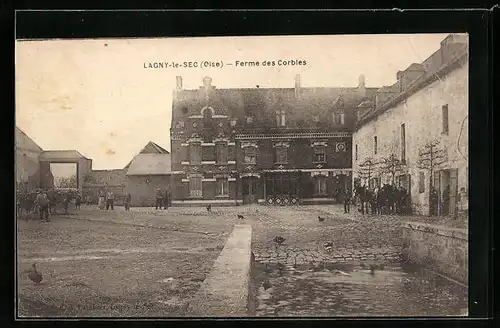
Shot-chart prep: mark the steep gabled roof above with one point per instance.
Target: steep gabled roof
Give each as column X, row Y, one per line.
column 24, row 141
column 150, row 164
column 153, row 148
column 150, row 148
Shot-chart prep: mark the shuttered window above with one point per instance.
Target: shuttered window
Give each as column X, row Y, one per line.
column 421, row 182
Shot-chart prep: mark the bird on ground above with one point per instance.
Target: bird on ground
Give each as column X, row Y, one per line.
column 266, row 285
column 278, row 240
column 328, row 246
column 34, row 275
column 209, row 208
column 321, row 219
column 240, row 216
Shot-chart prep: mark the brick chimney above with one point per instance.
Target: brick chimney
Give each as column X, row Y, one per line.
column 178, row 80
column 297, row 86
column 452, row 46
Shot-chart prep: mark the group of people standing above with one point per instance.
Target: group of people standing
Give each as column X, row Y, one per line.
column 387, row 199
column 46, row 201
column 162, row 199
column 444, row 202
column 107, row 200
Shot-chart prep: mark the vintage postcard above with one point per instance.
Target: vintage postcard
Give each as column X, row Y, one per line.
column 277, row 176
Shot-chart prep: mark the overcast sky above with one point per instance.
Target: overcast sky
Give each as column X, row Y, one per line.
column 95, row 96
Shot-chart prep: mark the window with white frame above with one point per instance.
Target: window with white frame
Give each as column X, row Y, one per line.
column 320, row 185
column 281, row 118
column 195, row 153
column 250, row 155
column 319, row 154
column 195, row 187
column 339, row 118
column 222, row 187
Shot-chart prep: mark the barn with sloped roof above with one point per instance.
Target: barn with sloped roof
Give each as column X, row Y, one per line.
column 148, row 170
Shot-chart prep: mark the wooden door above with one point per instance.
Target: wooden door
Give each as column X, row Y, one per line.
column 249, row 191
column 453, row 192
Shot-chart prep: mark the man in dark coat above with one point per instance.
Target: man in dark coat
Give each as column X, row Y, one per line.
column 159, row 198
column 42, row 201
column 346, row 199
column 126, row 202
column 166, row 199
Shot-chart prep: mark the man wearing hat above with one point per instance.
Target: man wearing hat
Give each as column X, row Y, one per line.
column 43, row 205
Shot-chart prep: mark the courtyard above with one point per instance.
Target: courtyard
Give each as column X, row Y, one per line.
column 148, row 262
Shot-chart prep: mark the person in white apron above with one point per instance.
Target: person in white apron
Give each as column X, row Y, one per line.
column 102, row 200
column 463, row 200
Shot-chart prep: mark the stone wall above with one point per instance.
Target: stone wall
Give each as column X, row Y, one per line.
column 441, row 249
column 227, row 290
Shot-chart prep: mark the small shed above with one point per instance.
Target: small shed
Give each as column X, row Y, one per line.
column 148, row 170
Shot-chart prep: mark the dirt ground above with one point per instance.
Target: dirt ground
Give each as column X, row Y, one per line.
column 149, row 262
column 105, row 269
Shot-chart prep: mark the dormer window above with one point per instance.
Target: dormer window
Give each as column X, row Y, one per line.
column 249, row 119
column 339, row 118
column 280, row 118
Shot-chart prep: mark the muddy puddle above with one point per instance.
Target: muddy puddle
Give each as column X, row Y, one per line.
column 355, row 290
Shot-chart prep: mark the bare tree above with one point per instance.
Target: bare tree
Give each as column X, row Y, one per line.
column 67, row 182
column 430, row 156
column 391, row 165
column 367, row 169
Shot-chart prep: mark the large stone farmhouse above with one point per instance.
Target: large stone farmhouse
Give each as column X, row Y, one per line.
column 426, row 108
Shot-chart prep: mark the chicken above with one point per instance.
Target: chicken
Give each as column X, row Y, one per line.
column 240, row 216
column 34, row 275
column 278, row 240
column 321, row 219
column 209, row 208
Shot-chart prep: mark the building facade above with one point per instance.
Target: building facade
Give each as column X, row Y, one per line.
column 149, row 169
column 27, row 163
column 275, row 146
column 423, row 115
